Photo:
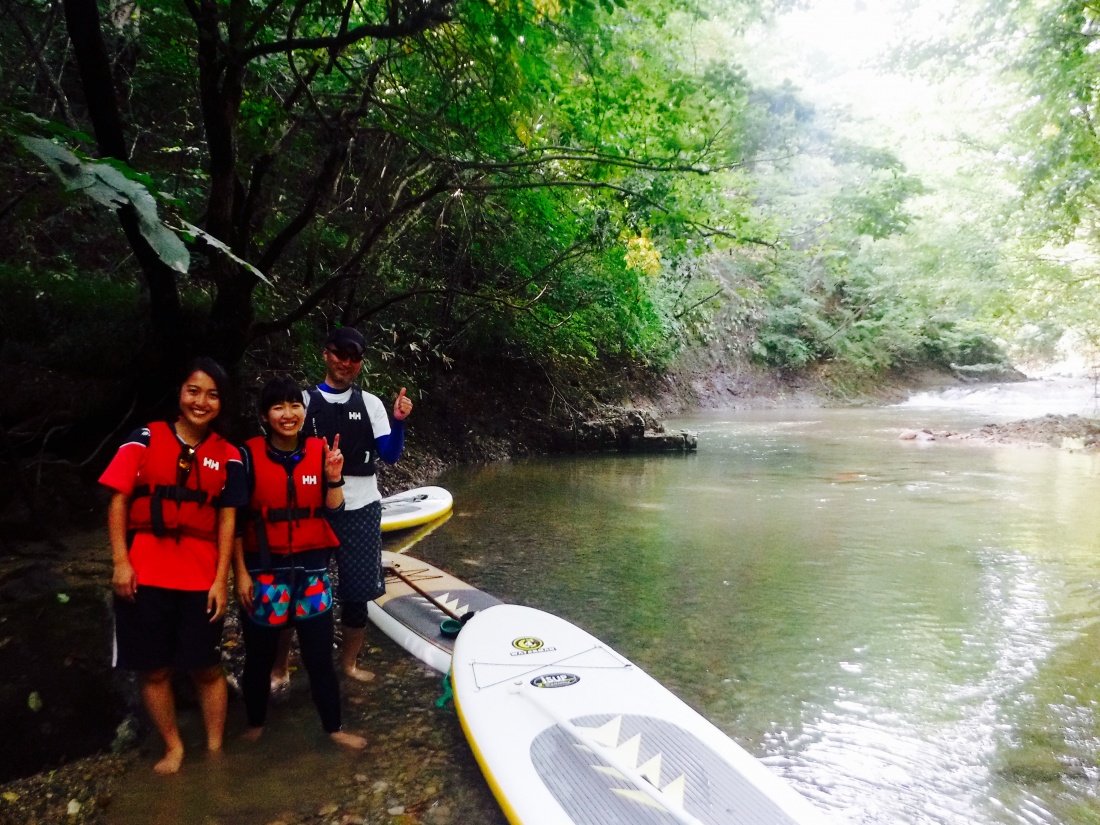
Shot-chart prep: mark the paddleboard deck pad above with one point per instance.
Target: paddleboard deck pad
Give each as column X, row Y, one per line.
column 568, row 731
column 414, row 507
column 412, row 620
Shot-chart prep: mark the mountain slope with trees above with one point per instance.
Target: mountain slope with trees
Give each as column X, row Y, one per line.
column 543, row 200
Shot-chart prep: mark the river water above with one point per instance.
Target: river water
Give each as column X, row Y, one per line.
column 907, row 632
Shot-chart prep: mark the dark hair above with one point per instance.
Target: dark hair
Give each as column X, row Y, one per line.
column 220, row 377
column 279, row 391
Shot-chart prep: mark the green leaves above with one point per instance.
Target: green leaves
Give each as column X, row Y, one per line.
column 105, row 184
column 194, row 233
column 541, row 178
column 115, row 185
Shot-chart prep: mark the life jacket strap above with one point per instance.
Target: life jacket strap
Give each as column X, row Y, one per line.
column 173, row 492
column 262, row 544
column 275, row 516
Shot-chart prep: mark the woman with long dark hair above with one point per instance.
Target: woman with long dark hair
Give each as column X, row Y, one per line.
column 175, row 489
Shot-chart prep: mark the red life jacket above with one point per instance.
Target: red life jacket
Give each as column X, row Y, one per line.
column 287, row 505
column 176, row 487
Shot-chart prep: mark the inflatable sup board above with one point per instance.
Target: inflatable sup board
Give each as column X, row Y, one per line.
column 418, row 598
column 414, row 507
column 569, row 732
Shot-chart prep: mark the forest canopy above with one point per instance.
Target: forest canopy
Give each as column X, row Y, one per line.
column 540, row 177
column 560, row 184
column 500, row 170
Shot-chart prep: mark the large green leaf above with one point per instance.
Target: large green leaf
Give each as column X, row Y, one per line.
column 106, row 185
column 210, row 239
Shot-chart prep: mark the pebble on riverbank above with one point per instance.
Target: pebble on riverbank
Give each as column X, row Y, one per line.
column 76, row 794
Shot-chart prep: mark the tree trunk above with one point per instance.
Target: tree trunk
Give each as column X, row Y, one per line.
column 83, row 23
column 221, row 88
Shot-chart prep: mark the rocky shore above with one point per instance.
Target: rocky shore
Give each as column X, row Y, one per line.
column 1069, row 432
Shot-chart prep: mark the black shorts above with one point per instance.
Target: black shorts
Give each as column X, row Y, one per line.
column 166, row 628
column 359, row 556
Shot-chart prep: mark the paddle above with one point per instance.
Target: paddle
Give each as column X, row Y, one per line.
column 428, row 595
column 628, row 771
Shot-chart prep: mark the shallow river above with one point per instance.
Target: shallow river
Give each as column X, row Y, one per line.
column 906, row 632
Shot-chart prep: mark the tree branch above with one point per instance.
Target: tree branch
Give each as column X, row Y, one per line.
column 698, row 303
column 429, row 16
column 44, row 71
column 322, row 187
column 590, row 184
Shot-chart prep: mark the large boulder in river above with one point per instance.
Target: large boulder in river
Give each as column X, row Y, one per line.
column 987, row 373
column 620, row 430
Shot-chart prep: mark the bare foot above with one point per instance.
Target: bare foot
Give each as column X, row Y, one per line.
column 348, row 740
column 279, row 682
column 171, row 762
column 360, row 675
column 252, row 734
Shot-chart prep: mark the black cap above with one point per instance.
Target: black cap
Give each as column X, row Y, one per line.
column 346, row 339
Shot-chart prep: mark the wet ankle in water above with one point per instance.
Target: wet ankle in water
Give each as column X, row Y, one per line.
column 358, row 674
column 170, row 763
column 348, row 740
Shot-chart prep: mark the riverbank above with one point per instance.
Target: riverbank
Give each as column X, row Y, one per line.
column 1068, row 432
column 406, row 775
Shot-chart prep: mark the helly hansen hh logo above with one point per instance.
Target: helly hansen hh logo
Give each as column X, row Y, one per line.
column 309, row 479
column 354, row 416
column 213, row 465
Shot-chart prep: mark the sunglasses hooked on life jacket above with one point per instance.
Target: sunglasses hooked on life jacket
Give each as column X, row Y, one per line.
column 185, row 463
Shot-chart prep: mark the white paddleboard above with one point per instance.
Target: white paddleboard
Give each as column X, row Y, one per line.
column 412, row 619
column 567, row 731
column 414, row 507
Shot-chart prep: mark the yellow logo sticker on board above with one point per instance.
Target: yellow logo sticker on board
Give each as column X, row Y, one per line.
column 528, row 644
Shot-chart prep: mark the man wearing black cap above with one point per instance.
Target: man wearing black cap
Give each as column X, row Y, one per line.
column 338, row 406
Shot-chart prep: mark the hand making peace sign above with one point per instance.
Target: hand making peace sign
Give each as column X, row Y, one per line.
column 334, row 460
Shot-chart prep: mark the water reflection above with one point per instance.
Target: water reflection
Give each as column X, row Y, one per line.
column 279, row 777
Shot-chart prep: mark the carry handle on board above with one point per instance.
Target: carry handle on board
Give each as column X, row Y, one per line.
column 407, row 500
column 631, row 773
column 463, row 618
